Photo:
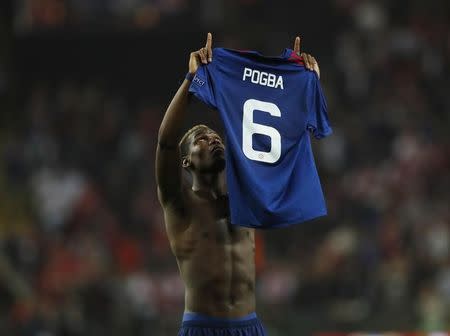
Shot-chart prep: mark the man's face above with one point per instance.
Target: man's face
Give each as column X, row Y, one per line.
column 206, row 152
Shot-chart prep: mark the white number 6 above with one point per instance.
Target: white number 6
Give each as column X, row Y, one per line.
column 249, row 128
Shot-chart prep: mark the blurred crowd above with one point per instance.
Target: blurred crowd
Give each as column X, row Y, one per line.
column 83, row 249
column 137, row 14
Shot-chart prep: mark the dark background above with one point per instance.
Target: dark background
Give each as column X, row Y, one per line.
column 83, row 88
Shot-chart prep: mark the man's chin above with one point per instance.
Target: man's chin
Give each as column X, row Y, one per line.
column 219, row 165
column 216, row 167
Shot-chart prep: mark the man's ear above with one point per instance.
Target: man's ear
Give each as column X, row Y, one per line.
column 186, row 162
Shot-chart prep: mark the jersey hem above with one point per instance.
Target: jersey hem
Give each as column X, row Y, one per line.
column 285, row 224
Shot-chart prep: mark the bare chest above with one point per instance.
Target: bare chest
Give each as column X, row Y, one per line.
column 210, row 219
column 210, row 230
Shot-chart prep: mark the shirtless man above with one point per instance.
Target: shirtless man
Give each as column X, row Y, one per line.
column 215, row 259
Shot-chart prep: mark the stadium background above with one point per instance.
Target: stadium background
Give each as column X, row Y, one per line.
column 84, row 85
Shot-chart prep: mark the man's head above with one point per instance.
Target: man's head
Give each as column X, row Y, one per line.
column 202, row 150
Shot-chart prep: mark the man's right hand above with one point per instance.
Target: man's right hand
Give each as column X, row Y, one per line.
column 202, row 56
column 310, row 61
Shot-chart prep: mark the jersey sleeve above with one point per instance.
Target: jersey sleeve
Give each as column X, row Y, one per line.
column 202, row 85
column 317, row 116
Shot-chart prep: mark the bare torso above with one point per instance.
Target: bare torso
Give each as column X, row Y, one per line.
column 215, row 259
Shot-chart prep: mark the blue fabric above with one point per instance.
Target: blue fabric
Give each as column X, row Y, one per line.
column 195, row 324
column 268, row 106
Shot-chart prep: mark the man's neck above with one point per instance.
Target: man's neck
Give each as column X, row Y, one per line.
column 209, row 184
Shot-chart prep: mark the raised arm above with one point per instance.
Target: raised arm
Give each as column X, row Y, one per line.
column 168, row 164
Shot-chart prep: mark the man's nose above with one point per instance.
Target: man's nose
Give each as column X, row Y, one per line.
column 213, row 141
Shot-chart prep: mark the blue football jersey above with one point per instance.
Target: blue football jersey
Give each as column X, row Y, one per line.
column 267, row 105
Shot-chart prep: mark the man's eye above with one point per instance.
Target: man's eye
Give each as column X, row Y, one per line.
column 201, row 139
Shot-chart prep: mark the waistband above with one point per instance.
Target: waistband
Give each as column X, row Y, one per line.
column 201, row 320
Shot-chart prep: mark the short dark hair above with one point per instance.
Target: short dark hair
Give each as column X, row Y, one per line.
column 184, row 143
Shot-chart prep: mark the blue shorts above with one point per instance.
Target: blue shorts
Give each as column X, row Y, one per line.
column 195, row 324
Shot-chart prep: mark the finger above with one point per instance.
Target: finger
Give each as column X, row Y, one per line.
column 196, row 55
column 202, row 54
column 306, row 61
column 297, row 45
column 199, row 55
column 316, row 66
column 311, row 62
column 208, row 46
